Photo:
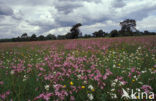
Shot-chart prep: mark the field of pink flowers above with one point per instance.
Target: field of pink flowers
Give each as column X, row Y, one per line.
column 78, row 70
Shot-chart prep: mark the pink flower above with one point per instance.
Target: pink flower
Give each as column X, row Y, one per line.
column 120, row 78
column 108, row 72
column 45, row 96
column 138, row 72
column 7, row 93
column 1, row 82
column 104, row 77
column 133, row 69
column 146, row 88
column 41, row 69
column 124, row 82
column 129, row 75
column 29, row 65
column 72, row 98
column 46, row 58
column 3, row 96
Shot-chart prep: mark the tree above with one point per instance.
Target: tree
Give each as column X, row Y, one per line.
column 99, row 33
column 128, row 26
column 33, row 37
column 41, row 37
column 74, row 32
column 87, row 36
column 68, row 35
column 146, row 32
column 61, row 37
column 114, row 33
column 25, row 35
column 50, row 37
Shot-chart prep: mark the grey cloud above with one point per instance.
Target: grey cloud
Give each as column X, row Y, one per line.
column 118, row 3
column 141, row 13
column 5, row 10
column 44, row 26
column 66, row 6
column 26, row 2
column 82, row 0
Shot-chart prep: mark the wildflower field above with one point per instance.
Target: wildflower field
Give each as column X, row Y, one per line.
column 78, row 70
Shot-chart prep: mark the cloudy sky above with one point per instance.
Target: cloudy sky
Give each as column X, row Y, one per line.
column 57, row 16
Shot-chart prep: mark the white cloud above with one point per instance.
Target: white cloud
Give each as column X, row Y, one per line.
column 58, row 31
column 106, row 27
column 147, row 23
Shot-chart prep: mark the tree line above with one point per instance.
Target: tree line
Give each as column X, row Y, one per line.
column 128, row 28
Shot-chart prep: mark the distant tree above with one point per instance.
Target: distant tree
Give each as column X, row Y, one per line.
column 41, row 37
column 106, row 35
column 128, row 26
column 74, row 32
column 25, row 35
column 87, row 36
column 146, row 32
column 114, row 33
column 153, row 33
column 50, row 37
column 141, row 33
column 18, row 39
column 33, row 37
column 69, row 36
column 99, row 33
column 61, row 37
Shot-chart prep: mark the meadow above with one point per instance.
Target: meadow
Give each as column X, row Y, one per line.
column 95, row 69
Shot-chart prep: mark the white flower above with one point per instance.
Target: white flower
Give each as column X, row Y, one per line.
column 113, row 84
column 46, row 87
column 121, row 83
column 90, row 96
column 54, row 73
column 128, row 89
column 85, row 82
column 79, row 76
column 123, row 71
column 25, row 78
column 153, row 72
column 114, row 66
column 116, row 80
column 139, row 47
column 135, row 77
column 143, row 71
column 140, row 83
column 90, row 87
column 114, row 96
column 113, row 90
column 12, row 72
column 114, row 52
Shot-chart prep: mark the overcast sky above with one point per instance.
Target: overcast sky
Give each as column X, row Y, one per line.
column 57, row 16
